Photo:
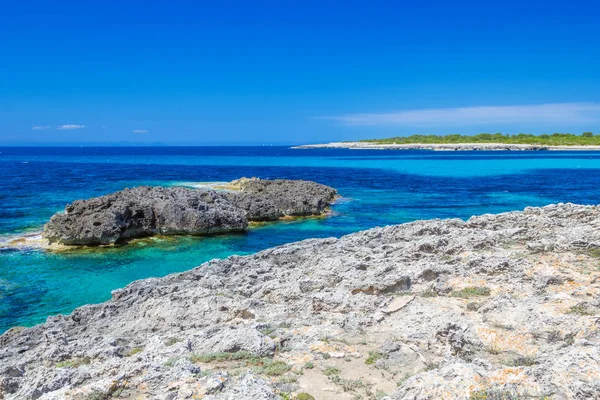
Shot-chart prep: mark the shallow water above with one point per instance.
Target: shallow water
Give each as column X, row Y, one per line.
column 379, row 188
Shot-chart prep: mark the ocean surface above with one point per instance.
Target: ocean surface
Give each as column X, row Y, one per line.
column 378, row 188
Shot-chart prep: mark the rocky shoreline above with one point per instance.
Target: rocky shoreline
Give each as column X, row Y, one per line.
column 444, row 146
column 147, row 211
column 497, row 307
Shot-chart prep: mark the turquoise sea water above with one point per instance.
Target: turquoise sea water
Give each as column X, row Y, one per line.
column 378, row 188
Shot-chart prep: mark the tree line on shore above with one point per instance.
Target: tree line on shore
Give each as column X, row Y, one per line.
column 554, row 139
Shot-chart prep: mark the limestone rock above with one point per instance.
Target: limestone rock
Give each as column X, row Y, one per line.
column 489, row 317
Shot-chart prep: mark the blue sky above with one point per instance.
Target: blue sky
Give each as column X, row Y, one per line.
column 261, row 72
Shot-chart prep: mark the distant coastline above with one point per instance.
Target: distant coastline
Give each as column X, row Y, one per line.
column 445, row 146
column 482, row 141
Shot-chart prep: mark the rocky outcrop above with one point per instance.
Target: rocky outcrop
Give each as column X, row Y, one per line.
column 145, row 211
column 497, row 307
column 269, row 200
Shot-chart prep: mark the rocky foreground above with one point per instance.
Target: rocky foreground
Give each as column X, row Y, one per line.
column 498, row 307
column 146, row 211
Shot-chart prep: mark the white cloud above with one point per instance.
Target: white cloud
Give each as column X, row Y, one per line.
column 40, row 127
column 70, row 126
column 557, row 113
column 140, row 131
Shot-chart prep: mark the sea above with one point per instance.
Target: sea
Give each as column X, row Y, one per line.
column 378, row 188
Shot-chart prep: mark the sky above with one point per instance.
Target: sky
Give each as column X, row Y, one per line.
column 287, row 72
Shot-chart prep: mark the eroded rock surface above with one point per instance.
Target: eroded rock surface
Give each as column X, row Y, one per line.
column 145, row 211
column 269, row 200
column 498, row 307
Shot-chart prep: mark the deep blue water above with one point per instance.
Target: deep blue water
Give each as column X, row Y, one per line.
column 379, row 188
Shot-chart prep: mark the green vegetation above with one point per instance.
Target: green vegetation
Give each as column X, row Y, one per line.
column 569, row 339
column 428, row 293
column 135, row 350
column 73, row 363
column 593, row 252
column 170, row 362
column 272, row 368
column 267, row 331
column 373, row 356
column 304, row 396
column 299, row 396
column 471, row 291
column 580, row 309
column 401, row 381
column 491, row 394
column 309, row 365
column 347, row 385
column 65, row 364
column 262, row 365
column 288, row 379
column 494, row 348
column 554, row 139
column 221, row 357
column 331, row 371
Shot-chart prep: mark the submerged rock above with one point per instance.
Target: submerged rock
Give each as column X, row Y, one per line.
column 427, row 310
column 145, row 211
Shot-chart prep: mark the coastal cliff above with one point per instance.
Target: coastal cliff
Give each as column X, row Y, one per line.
column 497, row 307
column 146, row 211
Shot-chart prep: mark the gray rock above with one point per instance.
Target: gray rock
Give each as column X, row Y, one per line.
column 230, row 339
column 324, row 302
column 146, row 211
column 269, row 200
column 250, row 387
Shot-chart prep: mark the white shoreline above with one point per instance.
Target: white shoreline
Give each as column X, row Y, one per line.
column 443, row 146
